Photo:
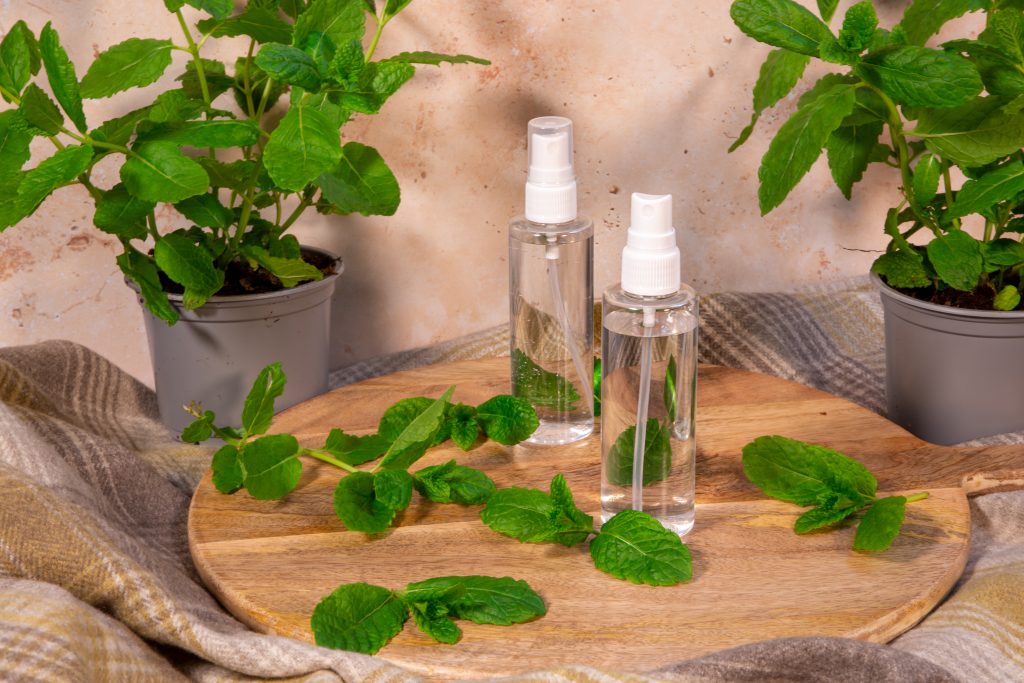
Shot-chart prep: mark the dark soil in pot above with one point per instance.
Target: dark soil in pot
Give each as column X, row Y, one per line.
column 240, row 278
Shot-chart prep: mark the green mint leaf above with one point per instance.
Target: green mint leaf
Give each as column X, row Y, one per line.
column 393, row 488
column 781, row 23
column 657, row 455
column 141, row 270
column 432, row 483
column 977, row 195
column 850, row 150
column 410, row 445
column 827, row 9
column 819, row 517
column 957, row 259
column 597, row 387
column 59, row 170
column 289, row 65
column 1007, row 299
column 200, row 429
column 293, row 8
column 401, row 414
column 921, row 77
column 799, row 141
column 40, row 111
column 233, row 176
column 361, row 182
column 975, row 134
column 540, row 387
column 177, row 256
column 393, row 7
column 228, row 475
column 272, row 468
column 134, row 63
column 60, row 73
column 462, row 426
column 859, row 26
column 219, row 133
column 217, row 80
column 14, row 149
column 357, row 505
column 431, row 617
column 348, row 64
column 436, row 59
column 305, row 145
column 480, row 599
column 881, row 524
column 634, row 546
column 452, row 483
column 259, row 23
column 159, row 172
column 206, row 210
column 923, row 18
column 218, row 9
column 355, row 450
column 779, row 74
column 670, row 394
column 1003, row 252
column 507, row 419
column 339, row 21
column 258, row 410
column 119, row 131
column 572, row 525
column 833, row 52
column 358, row 617
column 799, row 472
column 926, row 178
column 1005, row 31
column 290, row 271
column 174, row 5
column 901, row 269
column 523, row 514
column 119, row 213
column 19, row 57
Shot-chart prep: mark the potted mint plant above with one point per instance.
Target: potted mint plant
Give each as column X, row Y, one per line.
column 234, row 291
column 950, row 121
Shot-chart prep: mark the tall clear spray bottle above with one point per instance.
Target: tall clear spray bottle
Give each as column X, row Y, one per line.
column 551, row 291
column 649, row 375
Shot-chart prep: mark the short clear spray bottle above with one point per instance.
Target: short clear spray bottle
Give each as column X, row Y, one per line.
column 551, row 291
column 649, row 375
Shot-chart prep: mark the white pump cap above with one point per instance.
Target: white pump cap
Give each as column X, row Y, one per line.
column 551, row 180
column 650, row 260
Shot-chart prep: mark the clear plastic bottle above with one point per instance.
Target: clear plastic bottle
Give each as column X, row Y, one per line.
column 649, row 376
column 551, row 257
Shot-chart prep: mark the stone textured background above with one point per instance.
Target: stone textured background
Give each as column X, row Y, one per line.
column 657, row 91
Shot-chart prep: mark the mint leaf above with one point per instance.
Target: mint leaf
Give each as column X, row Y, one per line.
column 393, row 488
column 218, row 9
column 782, row 23
column 957, row 259
column 974, row 134
column 259, row 23
column 361, row 183
column 901, row 269
column 670, row 394
column 60, row 73
column 19, row 57
column 452, row 483
column 304, row 145
column 358, row 617
column 219, row 133
column 597, row 387
column 337, row 21
column 1003, row 252
column 435, row 59
column 827, row 8
column 119, row 213
column 228, row 476
column 657, row 455
column 850, row 150
column 540, row 387
column 14, row 149
column 923, row 18
column 290, row 65
column 200, row 429
column 272, row 468
column 881, row 524
column 480, row 599
column 634, row 546
column 258, row 409
column 412, row 443
column 859, row 26
column 819, row 517
column 159, row 172
column 507, row 419
column 141, row 270
column 133, row 63
column 1007, row 299
column 191, row 267
column 40, row 111
column 921, row 77
column 431, row 617
column 289, row 271
column 393, row 7
column 462, row 426
column 120, row 130
column 398, row 416
column 799, row 142
column 523, row 514
column 206, row 210
column 798, row 472
column 979, row 194
column 355, row 450
column 926, row 178
column 779, row 74
column 59, row 170
column 357, row 505
column 572, row 526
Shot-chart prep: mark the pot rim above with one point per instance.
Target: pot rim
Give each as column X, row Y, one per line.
column 947, row 311
column 304, row 288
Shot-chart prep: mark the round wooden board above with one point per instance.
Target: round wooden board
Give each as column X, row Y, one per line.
column 270, row 562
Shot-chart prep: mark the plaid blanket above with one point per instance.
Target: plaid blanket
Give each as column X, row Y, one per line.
column 96, row 582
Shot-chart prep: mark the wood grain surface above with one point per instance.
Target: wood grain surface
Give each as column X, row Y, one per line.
column 270, row 562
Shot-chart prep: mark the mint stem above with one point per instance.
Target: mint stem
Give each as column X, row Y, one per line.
column 917, row 496
column 330, row 460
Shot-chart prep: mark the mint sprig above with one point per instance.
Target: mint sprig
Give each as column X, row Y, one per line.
column 837, row 486
column 632, row 545
column 362, row 617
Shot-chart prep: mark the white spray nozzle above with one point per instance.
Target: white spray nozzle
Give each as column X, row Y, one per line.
column 650, row 260
column 551, row 179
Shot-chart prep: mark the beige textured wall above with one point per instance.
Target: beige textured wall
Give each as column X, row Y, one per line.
column 657, row 91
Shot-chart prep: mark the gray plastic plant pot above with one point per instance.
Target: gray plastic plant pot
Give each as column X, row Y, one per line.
column 213, row 354
column 952, row 374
